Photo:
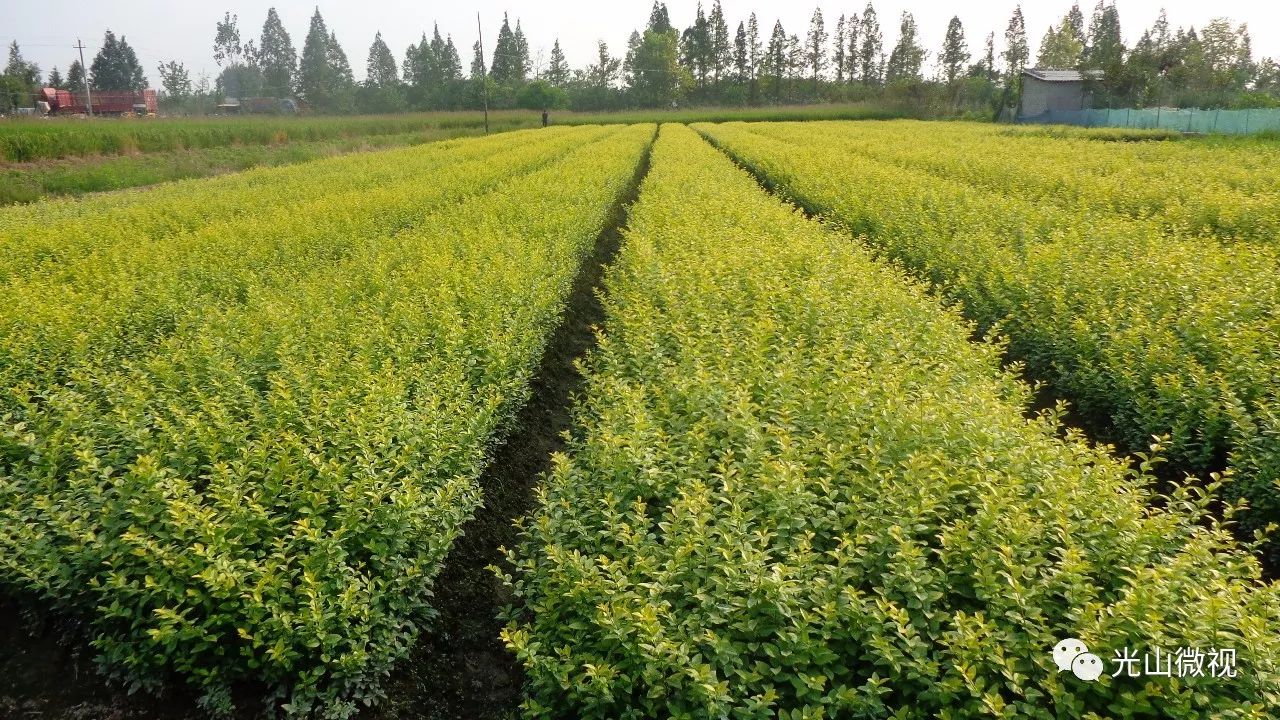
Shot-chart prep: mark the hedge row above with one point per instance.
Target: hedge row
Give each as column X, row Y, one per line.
column 57, row 231
column 1228, row 190
column 796, row 489
column 241, row 452
column 24, row 141
column 1146, row 333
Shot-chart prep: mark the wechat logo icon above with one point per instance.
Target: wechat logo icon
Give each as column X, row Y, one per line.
column 1072, row 654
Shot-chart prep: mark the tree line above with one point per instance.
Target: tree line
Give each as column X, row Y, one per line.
column 707, row 63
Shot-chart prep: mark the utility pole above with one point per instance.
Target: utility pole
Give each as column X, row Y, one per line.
column 85, row 73
column 484, row 75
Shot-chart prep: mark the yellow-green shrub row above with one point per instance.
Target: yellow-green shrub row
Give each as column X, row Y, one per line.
column 1147, row 334
column 55, row 232
column 797, row 489
column 103, row 302
column 263, row 485
column 1187, row 188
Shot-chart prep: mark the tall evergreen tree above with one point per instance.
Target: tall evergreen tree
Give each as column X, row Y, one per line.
column 955, row 51
column 56, row 80
column 1105, row 49
column 1104, row 54
column 695, row 48
column 776, row 63
column 24, row 73
column 558, row 69
column 721, row 52
column 116, row 67
column 871, row 52
column 838, row 50
column 815, row 47
column 380, row 67
column 629, row 61
column 1016, row 50
column 1059, row 47
column 317, row 78
column 450, row 62
column 655, row 70
column 659, row 20
column 907, row 57
column 522, row 64
column 382, row 90
column 755, row 46
column 797, row 64
column 510, row 55
column 852, row 29
column 477, row 61
column 988, row 63
column 338, row 61
column 276, row 57
column 741, row 55
column 604, row 72
column 1075, row 20
column 75, row 77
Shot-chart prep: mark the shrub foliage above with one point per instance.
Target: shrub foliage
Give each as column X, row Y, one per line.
column 798, row 489
column 240, row 447
column 1148, row 330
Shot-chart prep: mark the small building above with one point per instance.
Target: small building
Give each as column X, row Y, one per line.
column 1045, row 90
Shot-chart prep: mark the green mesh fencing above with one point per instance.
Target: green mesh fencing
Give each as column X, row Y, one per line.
column 1230, row 122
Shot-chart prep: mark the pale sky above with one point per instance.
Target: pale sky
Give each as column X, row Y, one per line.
column 161, row 30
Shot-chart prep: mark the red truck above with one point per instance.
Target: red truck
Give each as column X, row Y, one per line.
column 105, row 102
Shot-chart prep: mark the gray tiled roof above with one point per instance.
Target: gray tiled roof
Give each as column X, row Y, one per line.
column 1054, row 75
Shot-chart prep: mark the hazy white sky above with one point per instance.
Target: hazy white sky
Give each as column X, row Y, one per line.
column 161, row 30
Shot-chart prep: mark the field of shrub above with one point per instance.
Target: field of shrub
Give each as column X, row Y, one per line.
column 29, row 140
column 1147, row 332
column 264, row 436
column 798, row 489
column 1228, row 189
column 238, row 441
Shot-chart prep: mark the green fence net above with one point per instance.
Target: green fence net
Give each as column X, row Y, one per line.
column 1231, row 122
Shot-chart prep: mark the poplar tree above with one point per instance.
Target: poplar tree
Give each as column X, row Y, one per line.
column 838, row 55
column 721, row 52
column 816, row 47
column 776, row 62
column 872, row 49
column 1059, row 47
column 1075, row 20
column 629, row 60
column 852, row 30
column 741, row 55
column 907, row 57
column 1016, row 51
column 955, row 51
column 659, row 20
column 175, row 80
